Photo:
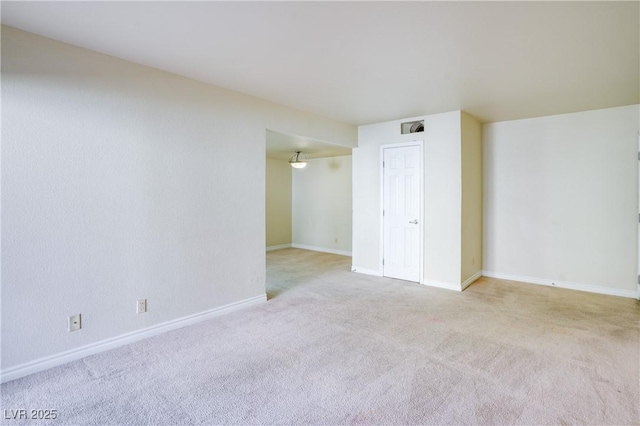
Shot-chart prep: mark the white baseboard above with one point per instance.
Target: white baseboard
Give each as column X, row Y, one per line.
column 366, row 271
column 321, row 249
column 279, row 247
column 124, row 339
column 431, row 283
column 442, row 284
column 564, row 284
column 471, row 279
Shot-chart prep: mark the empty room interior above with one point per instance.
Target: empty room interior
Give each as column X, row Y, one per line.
column 320, row 212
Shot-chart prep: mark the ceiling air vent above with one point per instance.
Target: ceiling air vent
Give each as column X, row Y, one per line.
column 412, row 127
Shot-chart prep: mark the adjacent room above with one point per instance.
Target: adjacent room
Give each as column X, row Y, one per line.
column 320, row 212
column 307, row 207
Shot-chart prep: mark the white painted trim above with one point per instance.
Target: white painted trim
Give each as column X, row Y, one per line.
column 124, row 339
column 366, row 271
column 278, row 247
column 442, row 284
column 564, row 284
column 321, row 249
column 471, row 279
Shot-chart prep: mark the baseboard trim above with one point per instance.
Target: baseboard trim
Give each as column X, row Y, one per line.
column 564, row 284
column 278, row 247
column 471, row 279
column 55, row 360
column 366, row 271
column 442, row 284
column 321, row 249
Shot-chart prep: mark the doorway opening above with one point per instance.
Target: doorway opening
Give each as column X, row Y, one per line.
column 307, row 208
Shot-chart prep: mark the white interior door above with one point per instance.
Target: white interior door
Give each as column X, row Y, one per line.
column 402, row 212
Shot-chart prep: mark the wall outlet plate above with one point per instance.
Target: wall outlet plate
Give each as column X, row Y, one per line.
column 75, row 322
column 141, row 306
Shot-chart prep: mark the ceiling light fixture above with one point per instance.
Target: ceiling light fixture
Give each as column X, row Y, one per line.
column 298, row 160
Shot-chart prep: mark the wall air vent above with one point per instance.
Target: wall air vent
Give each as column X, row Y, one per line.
column 412, row 127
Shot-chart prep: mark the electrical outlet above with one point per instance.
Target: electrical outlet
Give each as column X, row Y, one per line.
column 141, row 306
column 75, row 322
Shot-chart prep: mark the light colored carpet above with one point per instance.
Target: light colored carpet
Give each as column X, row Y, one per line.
column 335, row 347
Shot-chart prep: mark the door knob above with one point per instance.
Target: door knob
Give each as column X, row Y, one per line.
column 415, row 222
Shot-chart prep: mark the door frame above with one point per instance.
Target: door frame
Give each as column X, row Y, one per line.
column 420, row 144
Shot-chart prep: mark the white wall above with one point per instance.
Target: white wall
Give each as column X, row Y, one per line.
column 122, row 182
column 278, row 203
column 560, row 199
column 322, row 203
column 471, row 257
column 442, row 198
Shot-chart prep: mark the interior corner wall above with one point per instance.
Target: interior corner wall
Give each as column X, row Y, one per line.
column 561, row 199
column 442, row 195
column 122, row 182
column 322, row 205
column 471, row 257
column 278, row 203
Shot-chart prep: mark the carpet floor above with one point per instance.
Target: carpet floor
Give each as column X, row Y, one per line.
column 335, row 347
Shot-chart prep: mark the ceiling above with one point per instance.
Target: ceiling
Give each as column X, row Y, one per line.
column 281, row 146
column 365, row 62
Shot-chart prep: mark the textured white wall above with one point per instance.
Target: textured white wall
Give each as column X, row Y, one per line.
column 366, row 181
column 322, row 204
column 122, row 182
column 561, row 197
column 442, row 194
column 471, row 258
column 442, row 198
column 278, row 202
